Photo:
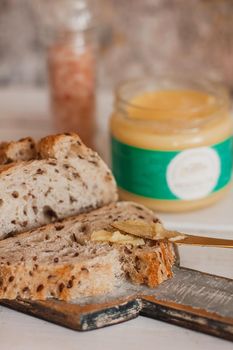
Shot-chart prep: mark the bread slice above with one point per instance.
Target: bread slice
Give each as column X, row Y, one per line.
column 60, row 260
column 15, row 151
column 67, row 179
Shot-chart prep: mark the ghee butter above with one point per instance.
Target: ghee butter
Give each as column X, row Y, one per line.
column 116, row 237
column 171, row 144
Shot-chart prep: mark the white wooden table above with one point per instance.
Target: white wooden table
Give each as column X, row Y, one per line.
column 25, row 112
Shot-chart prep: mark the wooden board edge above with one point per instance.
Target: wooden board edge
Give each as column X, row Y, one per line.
column 187, row 317
column 119, row 313
column 122, row 311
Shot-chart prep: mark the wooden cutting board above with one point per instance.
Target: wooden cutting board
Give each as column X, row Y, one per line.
column 190, row 299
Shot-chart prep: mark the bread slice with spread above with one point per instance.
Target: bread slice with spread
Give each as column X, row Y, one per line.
column 56, row 178
column 72, row 258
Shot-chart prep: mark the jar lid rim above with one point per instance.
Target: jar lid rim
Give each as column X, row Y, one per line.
column 218, row 90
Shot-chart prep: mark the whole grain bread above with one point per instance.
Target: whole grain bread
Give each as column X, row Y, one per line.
column 60, row 261
column 65, row 178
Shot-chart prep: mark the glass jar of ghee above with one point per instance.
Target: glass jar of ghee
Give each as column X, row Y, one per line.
column 171, row 143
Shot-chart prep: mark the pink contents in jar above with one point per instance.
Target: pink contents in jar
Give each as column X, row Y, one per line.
column 72, row 84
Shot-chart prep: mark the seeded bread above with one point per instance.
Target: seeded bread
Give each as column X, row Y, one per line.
column 60, row 261
column 66, row 179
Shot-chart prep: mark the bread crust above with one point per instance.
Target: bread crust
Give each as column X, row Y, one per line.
column 16, row 151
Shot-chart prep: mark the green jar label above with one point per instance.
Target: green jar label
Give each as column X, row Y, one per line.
column 181, row 175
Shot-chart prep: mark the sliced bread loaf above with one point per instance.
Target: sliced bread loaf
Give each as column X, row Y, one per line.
column 60, row 260
column 67, row 179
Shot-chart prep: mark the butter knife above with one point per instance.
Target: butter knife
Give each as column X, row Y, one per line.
column 156, row 231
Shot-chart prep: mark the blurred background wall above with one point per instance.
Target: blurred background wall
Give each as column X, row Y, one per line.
column 137, row 36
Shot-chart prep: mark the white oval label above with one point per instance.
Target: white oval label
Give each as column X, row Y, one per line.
column 193, row 173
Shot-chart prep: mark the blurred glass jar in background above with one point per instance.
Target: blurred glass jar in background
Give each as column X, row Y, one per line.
column 72, row 71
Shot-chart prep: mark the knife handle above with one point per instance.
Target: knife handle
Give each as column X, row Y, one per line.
column 205, row 241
